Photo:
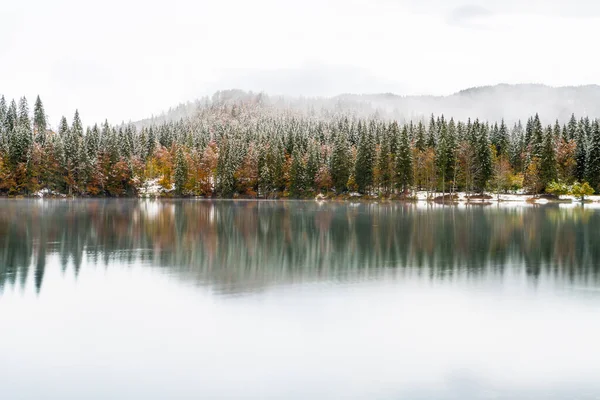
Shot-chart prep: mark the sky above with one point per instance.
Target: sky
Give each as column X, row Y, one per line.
column 130, row 59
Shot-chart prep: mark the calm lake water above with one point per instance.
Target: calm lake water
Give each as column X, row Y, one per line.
column 127, row 299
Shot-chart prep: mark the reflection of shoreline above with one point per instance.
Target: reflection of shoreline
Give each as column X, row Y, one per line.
column 461, row 199
column 243, row 244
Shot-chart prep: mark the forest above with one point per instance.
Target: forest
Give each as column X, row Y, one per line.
column 248, row 148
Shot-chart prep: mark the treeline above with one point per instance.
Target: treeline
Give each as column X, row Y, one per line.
column 246, row 148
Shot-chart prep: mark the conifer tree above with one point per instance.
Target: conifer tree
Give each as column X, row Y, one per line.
column 593, row 158
column 537, row 138
column 431, row 133
column 580, row 152
column 297, row 174
column 385, row 165
column 420, row 142
column 557, row 131
column 180, row 172
column 572, row 128
column 502, row 140
column 548, row 158
column 77, row 127
column 444, row 155
column 363, row 170
column 312, row 166
column 3, row 112
column 39, row 121
column 483, row 159
column 10, row 121
column 404, row 167
column 92, row 142
column 340, row 166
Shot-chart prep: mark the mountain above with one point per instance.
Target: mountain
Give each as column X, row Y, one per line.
column 492, row 103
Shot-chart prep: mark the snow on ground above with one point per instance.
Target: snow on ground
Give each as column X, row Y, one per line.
column 48, row 193
column 151, row 188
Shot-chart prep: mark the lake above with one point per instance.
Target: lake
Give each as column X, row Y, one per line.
column 198, row 299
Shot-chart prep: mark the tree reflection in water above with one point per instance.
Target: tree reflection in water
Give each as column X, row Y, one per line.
column 248, row 245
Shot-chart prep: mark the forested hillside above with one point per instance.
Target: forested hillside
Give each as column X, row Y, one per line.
column 245, row 145
column 488, row 103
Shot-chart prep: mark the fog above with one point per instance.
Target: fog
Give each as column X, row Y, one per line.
column 127, row 60
column 511, row 103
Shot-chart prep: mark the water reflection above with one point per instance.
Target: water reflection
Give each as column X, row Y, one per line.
column 247, row 245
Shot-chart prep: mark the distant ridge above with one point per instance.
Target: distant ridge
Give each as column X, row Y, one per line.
column 491, row 103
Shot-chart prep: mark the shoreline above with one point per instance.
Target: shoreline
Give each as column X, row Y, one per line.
column 417, row 197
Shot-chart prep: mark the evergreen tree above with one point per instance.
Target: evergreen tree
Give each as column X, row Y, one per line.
column 3, row 112
column 39, row 121
column 365, row 161
column 77, row 127
column 340, row 165
column 420, row 142
column 385, row 165
column 297, row 174
column 444, row 154
column 21, row 139
column 557, row 131
column 483, row 159
column 537, row 138
column 92, row 142
column 431, row 133
column 593, row 158
column 580, row 152
column 548, row 158
column 24, row 114
column 404, row 167
column 572, row 128
column 517, row 147
column 312, row 166
column 502, row 140
column 180, row 172
column 10, row 122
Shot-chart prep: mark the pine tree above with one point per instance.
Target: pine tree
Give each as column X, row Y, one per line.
column 593, row 158
column 92, row 142
column 385, row 165
column 340, row 166
column 10, row 122
column 580, row 152
column 431, row 133
column 537, row 138
column 502, row 140
column 444, row 154
column 365, row 161
column 77, row 127
column 557, row 131
column 151, row 143
column 312, row 166
column 180, row 172
column 548, row 158
column 404, row 167
column 3, row 132
column 420, row 142
column 39, row 121
column 572, row 128
column 297, row 174
column 483, row 159
column 21, row 139
column 517, row 147
column 3, row 112
column 24, row 114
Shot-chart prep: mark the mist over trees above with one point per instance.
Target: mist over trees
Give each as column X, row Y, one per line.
column 249, row 145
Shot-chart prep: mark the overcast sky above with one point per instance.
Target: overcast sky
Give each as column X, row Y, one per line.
column 125, row 60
